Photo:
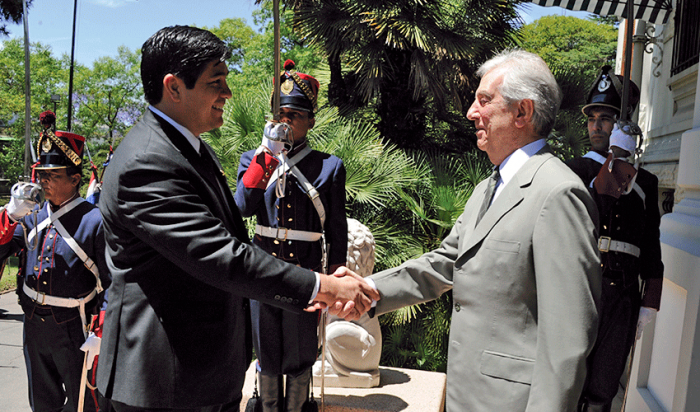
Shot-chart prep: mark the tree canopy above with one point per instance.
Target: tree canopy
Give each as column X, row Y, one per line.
column 579, row 44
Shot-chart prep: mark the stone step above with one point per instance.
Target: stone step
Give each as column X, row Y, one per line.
column 405, row 390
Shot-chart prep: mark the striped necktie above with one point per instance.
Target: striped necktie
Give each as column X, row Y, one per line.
column 488, row 196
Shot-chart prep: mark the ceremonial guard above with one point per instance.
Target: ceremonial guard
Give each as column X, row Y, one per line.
column 62, row 281
column 298, row 197
column 626, row 197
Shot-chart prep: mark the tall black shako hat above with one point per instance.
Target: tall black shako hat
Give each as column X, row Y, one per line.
column 58, row 150
column 298, row 90
column 607, row 91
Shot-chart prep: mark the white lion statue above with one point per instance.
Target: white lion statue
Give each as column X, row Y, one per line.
column 353, row 348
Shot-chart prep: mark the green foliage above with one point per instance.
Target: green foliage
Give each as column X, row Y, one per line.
column 108, row 98
column 581, row 45
column 8, row 274
column 45, row 74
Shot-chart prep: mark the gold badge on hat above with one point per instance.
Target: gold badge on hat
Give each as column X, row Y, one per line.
column 287, row 86
column 46, row 145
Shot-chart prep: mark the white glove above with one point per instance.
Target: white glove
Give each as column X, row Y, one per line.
column 645, row 316
column 24, row 196
column 92, row 347
column 276, row 136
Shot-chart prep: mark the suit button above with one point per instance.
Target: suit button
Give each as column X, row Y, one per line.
column 605, row 227
column 458, row 307
column 291, row 255
column 36, row 268
column 289, row 205
column 277, row 242
column 274, row 254
column 296, row 301
column 277, row 297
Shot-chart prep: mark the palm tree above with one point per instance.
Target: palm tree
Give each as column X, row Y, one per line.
column 405, row 57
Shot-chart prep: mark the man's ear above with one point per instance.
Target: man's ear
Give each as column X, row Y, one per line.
column 75, row 179
column 312, row 122
column 171, row 87
column 526, row 109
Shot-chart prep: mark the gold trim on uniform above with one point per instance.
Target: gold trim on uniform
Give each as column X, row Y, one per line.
column 49, row 137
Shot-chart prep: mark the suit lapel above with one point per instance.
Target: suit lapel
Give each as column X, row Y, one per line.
column 511, row 196
column 210, row 172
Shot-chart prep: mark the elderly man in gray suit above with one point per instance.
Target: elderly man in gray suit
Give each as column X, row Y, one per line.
column 525, row 276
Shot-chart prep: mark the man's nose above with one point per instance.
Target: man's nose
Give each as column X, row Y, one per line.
column 471, row 113
column 226, row 92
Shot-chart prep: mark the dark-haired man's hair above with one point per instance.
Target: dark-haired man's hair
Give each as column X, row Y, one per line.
column 183, row 51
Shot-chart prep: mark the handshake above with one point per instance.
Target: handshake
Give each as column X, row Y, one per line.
column 345, row 293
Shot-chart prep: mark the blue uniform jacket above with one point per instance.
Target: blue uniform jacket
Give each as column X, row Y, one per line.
column 296, row 211
column 53, row 267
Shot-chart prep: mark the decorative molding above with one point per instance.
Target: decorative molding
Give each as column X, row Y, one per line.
column 650, row 41
column 667, row 202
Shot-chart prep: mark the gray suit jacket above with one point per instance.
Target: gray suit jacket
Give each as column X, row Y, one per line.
column 177, row 328
column 525, row 283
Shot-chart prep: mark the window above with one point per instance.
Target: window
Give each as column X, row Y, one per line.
column 686, row 42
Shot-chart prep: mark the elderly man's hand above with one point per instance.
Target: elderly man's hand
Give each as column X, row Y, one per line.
column 345, row 294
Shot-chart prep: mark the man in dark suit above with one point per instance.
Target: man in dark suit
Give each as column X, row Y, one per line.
column 177, row 331
column 521, row 261
column 629, row 239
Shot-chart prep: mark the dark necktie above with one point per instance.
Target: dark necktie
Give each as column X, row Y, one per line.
column 488, row 196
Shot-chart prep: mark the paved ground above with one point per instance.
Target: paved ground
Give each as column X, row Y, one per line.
column 13, row 375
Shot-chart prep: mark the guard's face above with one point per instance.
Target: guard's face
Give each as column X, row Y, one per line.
column 600, row 125
column 298, row 120
column 493, row 118
column 205, row 101
column 58, row 186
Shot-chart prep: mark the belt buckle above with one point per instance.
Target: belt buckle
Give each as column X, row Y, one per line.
column 43, row 298
column 604, row 243
column 277, row 236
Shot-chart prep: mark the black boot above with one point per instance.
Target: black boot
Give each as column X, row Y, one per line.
column 271, row 392
column 297, row 391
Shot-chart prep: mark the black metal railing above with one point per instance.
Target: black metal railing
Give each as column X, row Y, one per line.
column 686, row 42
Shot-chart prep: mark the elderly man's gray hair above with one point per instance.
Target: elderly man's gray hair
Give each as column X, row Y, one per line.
column 526, row 76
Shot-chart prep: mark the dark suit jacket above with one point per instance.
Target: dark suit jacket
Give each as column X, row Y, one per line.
column 176, row 332
column 525, row 282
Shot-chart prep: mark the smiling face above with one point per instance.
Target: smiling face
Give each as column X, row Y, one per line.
column 494, row 119
column 601, row 120
column 202, row 107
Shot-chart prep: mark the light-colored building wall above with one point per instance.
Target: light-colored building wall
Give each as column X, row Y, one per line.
column 665, row 375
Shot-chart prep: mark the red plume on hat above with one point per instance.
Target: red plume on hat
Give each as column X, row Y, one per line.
column 47, row 119
column 299, row 90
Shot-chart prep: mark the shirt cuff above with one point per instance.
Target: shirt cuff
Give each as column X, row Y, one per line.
column 373, row 285
column 316, row 288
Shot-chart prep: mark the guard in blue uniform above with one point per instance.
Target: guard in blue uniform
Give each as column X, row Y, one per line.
column 276, row 184
column 65, row 272
column 629, row 239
